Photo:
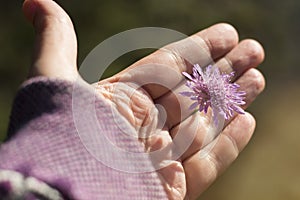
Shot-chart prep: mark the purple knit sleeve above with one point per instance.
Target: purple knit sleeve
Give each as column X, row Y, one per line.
column 43, row 143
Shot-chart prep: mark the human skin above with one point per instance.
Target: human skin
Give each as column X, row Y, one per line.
column 55, row 56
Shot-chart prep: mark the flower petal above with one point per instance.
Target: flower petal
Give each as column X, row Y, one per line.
column 187, row 75
column 211, row 88
column 187, row 94
column 193, row 106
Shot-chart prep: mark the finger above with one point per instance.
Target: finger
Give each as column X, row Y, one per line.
column 161, row 71
column 252, row 82
column 248, row 54
column 201, row 172
column 244, row 56
column 55, row 48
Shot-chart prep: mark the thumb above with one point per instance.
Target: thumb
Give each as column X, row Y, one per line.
column 55, row 48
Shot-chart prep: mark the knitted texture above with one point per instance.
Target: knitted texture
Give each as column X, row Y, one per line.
column 43, row 143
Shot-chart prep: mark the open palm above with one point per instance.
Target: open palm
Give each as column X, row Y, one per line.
column 152, row 85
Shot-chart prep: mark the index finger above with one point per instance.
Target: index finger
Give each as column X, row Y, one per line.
column 161, row 71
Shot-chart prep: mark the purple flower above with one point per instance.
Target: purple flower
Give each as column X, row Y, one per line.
column 211, row 88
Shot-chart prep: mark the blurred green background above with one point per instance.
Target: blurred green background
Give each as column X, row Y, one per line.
column 269, row 167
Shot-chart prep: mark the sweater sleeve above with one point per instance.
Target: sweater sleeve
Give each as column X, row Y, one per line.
column 51, row 158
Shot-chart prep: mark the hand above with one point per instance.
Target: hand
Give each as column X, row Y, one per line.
column 55, row 56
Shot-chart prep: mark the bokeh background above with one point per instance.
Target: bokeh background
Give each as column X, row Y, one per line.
column 269, row 168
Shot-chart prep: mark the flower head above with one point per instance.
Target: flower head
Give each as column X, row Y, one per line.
column 211, row 88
